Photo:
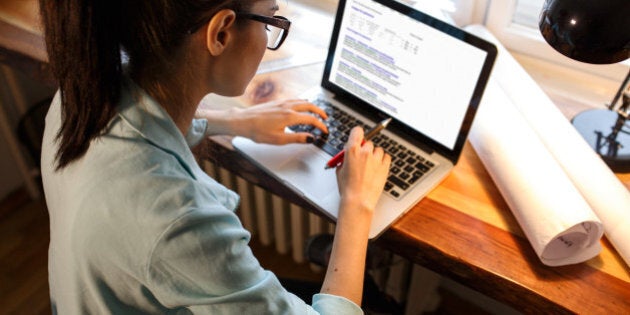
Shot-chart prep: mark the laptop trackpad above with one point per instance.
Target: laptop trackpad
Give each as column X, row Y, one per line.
column 305, row 170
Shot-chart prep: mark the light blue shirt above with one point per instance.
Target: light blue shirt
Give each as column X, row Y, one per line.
column 137, row 227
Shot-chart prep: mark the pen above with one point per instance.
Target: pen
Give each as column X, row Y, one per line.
column 338, row 158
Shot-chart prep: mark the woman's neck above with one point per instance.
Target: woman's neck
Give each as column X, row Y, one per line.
column 175, row 91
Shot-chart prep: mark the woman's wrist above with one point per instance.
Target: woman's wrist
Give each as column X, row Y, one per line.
column 221, row 122
column 344, row 276
column 355, row 212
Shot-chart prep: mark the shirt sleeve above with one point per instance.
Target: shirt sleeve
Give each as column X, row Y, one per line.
column 196, row 132
column 333, row 304
column 203, row 263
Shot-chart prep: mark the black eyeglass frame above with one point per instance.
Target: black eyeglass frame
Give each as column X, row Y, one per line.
column 276, row 20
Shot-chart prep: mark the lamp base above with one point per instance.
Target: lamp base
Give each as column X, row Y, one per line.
column 604, row 131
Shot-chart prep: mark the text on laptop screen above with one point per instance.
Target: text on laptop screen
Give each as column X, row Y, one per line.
column 423, row 77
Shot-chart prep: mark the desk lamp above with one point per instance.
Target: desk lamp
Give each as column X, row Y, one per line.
column 596, row 32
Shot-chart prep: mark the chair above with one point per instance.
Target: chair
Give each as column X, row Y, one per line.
column 30, row 130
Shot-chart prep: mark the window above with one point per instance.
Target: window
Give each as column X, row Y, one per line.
column 527, row 12
column 515, row 24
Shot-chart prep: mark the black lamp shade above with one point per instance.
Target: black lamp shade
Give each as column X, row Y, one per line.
column 591, row 31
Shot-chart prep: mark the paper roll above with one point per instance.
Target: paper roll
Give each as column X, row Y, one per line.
column 556, row 219
column 607, row 197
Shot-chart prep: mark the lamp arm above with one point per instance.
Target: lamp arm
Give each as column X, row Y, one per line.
column 619, row 93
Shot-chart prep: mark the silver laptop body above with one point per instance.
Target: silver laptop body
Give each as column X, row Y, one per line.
column 387, row 60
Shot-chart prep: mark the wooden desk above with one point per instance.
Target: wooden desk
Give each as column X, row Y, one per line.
column 21, row 42
column 463, row 229
column 22, row 48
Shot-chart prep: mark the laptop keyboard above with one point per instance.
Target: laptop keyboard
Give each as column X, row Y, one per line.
column 407, row 166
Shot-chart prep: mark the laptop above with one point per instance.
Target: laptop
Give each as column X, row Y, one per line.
column 387, row 60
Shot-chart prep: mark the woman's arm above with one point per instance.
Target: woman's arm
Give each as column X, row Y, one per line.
column 265, row 122
column 361, row 179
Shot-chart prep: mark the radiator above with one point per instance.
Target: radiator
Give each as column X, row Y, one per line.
column 286, row 226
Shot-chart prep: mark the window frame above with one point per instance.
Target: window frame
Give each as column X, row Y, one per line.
column 518, row 38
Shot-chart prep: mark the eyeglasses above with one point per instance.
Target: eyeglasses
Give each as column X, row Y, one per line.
column 277, row 28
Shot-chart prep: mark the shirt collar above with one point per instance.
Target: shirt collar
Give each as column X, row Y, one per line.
column 151, row 121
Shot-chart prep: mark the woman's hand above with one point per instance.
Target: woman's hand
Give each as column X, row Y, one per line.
column 265, row 123
column 361, row 178
column 362, row 175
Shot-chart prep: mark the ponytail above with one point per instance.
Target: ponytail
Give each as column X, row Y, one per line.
column 83, row 43
column 84, row 39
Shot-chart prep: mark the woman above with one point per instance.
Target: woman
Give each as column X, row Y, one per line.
column 136, row 225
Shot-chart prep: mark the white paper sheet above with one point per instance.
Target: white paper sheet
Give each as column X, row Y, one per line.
column 517, row 118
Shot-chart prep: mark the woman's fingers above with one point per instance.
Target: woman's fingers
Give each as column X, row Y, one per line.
column 298, row 137
column 355, row 138
column 306, row 119
column 305, row 106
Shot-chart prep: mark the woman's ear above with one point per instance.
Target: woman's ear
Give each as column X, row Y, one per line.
column 218, row 34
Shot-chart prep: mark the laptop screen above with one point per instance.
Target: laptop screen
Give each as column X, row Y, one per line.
column 407, row 65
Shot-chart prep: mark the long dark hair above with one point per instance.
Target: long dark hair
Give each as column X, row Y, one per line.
column 84, row 39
